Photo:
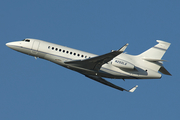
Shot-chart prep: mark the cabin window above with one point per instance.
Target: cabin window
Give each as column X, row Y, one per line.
column 52, row 48
column 67, row 51
column 56, row 49
column 63, row 50
column 59, row 50
column 74, row 53
column 82, row 55
column 70, row 52
column 48, row 47
column 85, row 56
column 78, row 55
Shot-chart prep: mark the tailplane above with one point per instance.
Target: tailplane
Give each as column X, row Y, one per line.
column 153, row 56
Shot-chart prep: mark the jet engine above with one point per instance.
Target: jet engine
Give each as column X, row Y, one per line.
column 122, row 64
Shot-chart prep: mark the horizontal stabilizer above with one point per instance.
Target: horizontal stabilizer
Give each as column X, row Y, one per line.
column 153, row 56
column 154, row 60
column 164, row 71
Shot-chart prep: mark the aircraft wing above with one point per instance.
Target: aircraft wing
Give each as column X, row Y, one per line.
column 95, row 63
column 105, row 82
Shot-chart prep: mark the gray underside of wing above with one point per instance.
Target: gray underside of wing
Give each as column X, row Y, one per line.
column 105, row 82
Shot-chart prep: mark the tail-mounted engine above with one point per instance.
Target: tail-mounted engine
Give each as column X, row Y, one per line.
column 122, row 64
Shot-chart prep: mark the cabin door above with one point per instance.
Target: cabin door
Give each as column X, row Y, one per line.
column 35, row 47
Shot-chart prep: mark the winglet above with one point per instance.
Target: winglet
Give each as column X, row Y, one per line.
column 123, row 48
column 132, row 89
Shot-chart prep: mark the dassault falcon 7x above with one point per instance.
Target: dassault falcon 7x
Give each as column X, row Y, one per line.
column 115, row 64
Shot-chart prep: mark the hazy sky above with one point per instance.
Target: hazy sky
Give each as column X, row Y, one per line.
column 33, row 89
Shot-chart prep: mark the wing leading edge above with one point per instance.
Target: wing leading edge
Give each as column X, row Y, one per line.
column 95, row 63
column 105, row 82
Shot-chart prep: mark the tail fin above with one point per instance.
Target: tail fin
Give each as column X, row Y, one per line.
column 156, row 53
column 153, row 55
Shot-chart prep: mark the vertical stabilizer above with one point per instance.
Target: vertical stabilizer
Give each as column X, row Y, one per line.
column 153, row 55
column 156, row 52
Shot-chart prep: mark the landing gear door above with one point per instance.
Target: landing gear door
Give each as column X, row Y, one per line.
column 35, row 47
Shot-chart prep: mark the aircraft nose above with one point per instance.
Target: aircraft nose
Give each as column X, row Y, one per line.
column 13, row 45
column 9, row 44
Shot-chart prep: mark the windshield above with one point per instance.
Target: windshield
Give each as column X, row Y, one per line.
column 26, row 40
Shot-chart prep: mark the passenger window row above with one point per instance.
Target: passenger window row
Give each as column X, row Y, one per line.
column 71, row 53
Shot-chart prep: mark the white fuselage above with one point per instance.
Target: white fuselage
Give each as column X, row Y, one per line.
column 123, row 66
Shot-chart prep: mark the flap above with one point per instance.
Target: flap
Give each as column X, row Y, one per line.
column 105, row 82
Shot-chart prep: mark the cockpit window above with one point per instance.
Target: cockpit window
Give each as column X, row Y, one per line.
column 27, row 40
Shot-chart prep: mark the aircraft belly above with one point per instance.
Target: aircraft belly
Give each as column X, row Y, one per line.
column 23, row 50
column 55, row 59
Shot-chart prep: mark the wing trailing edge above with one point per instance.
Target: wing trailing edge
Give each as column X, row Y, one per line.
column 105, row 82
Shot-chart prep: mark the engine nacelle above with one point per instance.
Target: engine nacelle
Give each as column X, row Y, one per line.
column 122, row 64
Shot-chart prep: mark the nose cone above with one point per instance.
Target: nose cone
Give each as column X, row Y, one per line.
column 9, row 44
column 13, row 45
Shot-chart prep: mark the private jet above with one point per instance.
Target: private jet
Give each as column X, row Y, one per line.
column 115, row 64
